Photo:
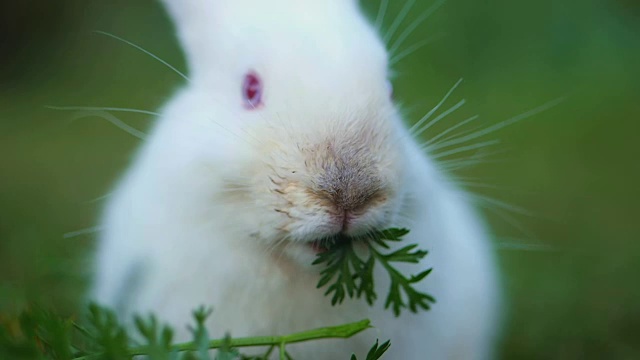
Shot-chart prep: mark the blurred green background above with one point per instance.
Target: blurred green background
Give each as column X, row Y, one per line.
column 565, row 181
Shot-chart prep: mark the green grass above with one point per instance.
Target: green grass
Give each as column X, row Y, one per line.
column 574, row 168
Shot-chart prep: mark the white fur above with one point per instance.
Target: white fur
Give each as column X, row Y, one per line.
column 194, row 220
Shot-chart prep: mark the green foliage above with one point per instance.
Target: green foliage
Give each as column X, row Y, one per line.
column 110, row 339
column 158, row 337
column 200, row 334
column 347, row 274
column 376, row 351
column 42, row 334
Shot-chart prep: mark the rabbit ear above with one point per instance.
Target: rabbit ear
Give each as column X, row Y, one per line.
column 196, row 22
column 213, row 33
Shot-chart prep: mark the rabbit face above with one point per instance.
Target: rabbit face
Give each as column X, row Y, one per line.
column 310, row 143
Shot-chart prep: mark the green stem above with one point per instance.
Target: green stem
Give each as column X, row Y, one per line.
column 266, row 355
column 341, row 331
column 378, row 256
column 283, row 354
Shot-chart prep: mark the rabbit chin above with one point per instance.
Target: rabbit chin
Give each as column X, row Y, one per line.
column 300, row 254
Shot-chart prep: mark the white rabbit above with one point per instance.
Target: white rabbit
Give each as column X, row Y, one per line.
column 284, row 135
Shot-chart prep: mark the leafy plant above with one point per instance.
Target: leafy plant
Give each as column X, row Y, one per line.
column 38, row 333
column 376, row 351
column 42, row 334
column 347, row 274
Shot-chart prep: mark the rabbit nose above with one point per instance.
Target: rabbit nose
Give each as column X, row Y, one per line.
column 349, row 188
column 351, row 195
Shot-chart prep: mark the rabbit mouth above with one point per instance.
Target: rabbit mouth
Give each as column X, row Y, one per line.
column 318, row 246
column 304, row 253
column 323, row 245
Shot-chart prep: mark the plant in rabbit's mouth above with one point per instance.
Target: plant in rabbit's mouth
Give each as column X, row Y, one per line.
column 347, row 274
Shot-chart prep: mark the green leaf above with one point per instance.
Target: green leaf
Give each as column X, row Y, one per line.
column 226, row 352
column 393, row 234
column 158, row 338
column 405, row 255
column 111, row 338
column 376, row 351
column 420, row 276
column 200, row 334
column 346, row 270
column 346, row 274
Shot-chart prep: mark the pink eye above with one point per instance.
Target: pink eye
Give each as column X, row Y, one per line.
column 252, row 90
